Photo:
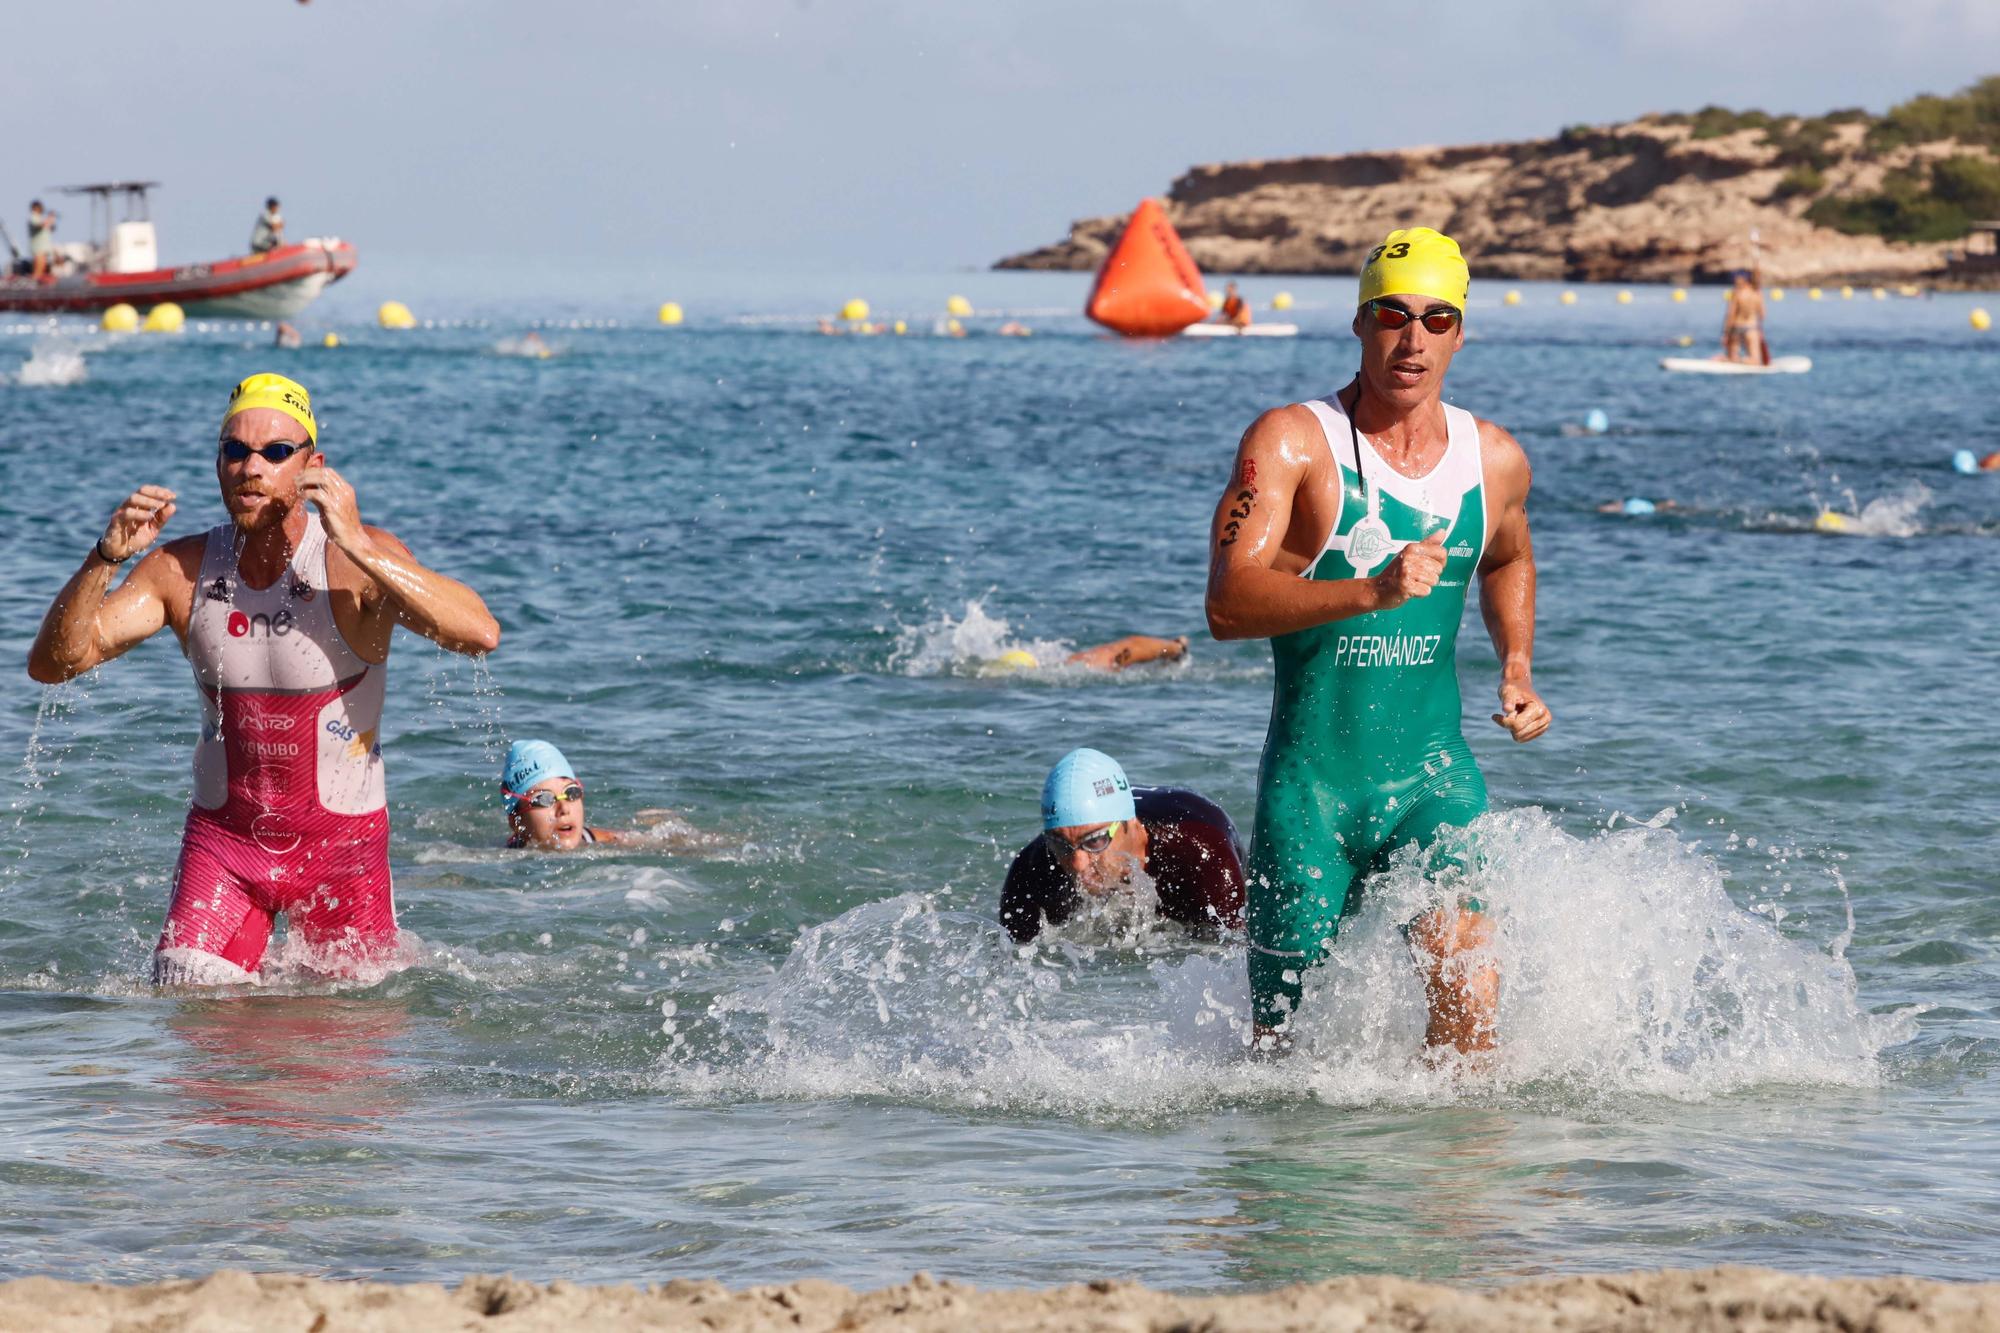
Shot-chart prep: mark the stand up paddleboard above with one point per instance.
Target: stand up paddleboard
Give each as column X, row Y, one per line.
column 1231, row 331
column 1701, row 365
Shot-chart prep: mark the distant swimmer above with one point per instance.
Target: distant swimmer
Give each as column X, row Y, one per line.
column 544, row 800
column 1235, row 310
column 1130, row 651
column 41, row 238
column 269, row 231
column 286, row 616
column 1743, row 320
column 288, row 336
column 1014, row 328
column 1637, row 506
column 1099, row 832
column 1349, row 533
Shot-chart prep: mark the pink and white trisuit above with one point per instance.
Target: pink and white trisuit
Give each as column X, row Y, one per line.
column 290, row 812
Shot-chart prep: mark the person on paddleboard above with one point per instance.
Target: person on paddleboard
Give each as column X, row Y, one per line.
column 1348, row 535
column 1743, row 320
column 1100, row 835
column 1235, row 311
column 285, row 611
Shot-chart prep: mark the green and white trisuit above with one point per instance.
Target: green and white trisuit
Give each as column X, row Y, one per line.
column 1364, row 754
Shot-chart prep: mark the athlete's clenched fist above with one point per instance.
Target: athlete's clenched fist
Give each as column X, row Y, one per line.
column 1413, row 573
column 138, row 521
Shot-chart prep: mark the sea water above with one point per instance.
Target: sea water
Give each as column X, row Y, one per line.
column 759, row 578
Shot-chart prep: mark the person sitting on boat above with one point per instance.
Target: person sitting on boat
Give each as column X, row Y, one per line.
column 1235, row 310
column 1743, row 320
column 269, row 233
column 41, row 237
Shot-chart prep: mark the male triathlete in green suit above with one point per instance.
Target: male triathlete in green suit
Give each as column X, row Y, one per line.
column 1349, row 532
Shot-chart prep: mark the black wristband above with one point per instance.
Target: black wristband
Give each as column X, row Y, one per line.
column 99, row 549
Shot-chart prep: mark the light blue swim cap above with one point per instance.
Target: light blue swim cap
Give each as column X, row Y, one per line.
column 1636, row 506
column 1085, row 787
column 1597, row 422
column 529, row 762
column 1962, row 461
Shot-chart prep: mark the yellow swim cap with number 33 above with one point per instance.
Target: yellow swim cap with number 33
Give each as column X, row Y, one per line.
column 1416, row 261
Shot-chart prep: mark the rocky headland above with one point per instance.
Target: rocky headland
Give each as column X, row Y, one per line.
column 1665, row 198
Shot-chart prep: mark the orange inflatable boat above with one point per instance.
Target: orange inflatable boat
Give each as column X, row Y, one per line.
column 1149, row 286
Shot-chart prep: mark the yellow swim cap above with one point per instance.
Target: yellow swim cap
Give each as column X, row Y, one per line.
column 280, row 395
column 1416, row 261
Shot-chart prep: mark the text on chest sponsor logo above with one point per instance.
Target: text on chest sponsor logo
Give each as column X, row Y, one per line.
column 1390, row 650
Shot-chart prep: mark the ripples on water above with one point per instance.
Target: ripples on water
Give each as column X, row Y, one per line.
column 761, row 580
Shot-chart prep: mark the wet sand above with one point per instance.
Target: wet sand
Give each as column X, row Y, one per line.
column 1717, row 1298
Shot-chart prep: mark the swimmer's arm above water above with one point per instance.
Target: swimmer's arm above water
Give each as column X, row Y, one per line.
column 1254, row 588
column 434, row 605
column 1507, row 583
column 88, row 624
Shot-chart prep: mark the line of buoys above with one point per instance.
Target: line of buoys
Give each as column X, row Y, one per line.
column 1282, row 301
column 1847, row 293
column 395, row 315
column 671, row 313
column 1777, row 293
column 958, row 307
column 1812, row 293
column 120, row 318
column 1881, row 295
column 854, row 311
column 1979, row 319
column 1511, row 298
column 166, row 317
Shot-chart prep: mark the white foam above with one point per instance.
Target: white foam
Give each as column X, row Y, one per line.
column 52, row 366
column 1627, row 971
column 968, row 645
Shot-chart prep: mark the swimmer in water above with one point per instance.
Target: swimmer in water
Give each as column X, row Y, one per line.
column 544, row 801
column 1131, row 651
column 1349, row 535
column 1637, row 506
column 286, row 612
column 1099, row 832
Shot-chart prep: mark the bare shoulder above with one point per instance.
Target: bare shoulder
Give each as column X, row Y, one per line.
column 177, row 562
column 1502, row 458
column 1288, row 434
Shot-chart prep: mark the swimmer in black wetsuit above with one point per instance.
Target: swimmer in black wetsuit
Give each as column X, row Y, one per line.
column 1098, row 831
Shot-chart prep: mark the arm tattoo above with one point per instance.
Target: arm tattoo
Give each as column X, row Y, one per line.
column 1246, row 500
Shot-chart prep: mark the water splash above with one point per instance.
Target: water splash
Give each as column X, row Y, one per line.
column 1628, row 971
column 971, row 644
column 52, row 366
column 1896, row 515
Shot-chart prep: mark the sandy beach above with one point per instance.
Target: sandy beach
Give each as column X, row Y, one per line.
column 1715, row 1298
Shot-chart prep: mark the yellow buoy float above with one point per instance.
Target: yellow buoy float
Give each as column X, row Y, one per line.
column 1569, row 298
column 120, row 318
column 1684, row 341
column 672, row 314
column 331, row 340
column 958, row 307
column 1215, row 300
column 900, row 327
column 854, row 311
column 1847, row 293
column 1812, row 293
column 1680, row 295
column 1624, row 298
column 395, row 315
column 1979, row 319
column 1282, row 301
column 166, row 317
column 1777, row 293
column 1881, row 295
column 1511, row 298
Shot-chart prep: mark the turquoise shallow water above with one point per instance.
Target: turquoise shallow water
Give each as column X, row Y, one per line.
column 750, row 575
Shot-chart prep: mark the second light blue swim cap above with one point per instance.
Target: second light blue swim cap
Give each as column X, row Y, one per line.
column 1963, row 463
column 1638, row 505
column 1086, row 787
column 529, row 762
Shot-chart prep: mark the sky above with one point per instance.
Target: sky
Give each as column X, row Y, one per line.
column 863, row 135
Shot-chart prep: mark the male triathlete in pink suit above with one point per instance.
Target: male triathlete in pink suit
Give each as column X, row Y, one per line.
column 286, row 617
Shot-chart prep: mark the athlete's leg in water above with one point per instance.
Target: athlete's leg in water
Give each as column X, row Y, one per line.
column 1452, row 941
column 216, row 931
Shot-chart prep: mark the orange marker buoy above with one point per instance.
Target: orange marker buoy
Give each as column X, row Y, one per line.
column 1149, row 286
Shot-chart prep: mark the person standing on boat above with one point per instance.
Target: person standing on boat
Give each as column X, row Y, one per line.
column 269, row 233
column 286, row 616
column 1235, row 310
column 1349, row 535
column 41, row 237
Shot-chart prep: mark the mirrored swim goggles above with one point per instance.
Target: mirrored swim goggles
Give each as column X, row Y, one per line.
column 542, row 800
column 1390, row 315
column 1090, row 844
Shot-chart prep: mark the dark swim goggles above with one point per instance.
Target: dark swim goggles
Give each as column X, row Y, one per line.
column 1438, row 319
column 236, row 451
column 542, row 800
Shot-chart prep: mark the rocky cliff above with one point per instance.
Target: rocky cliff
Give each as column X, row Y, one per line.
column 1660, row 199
